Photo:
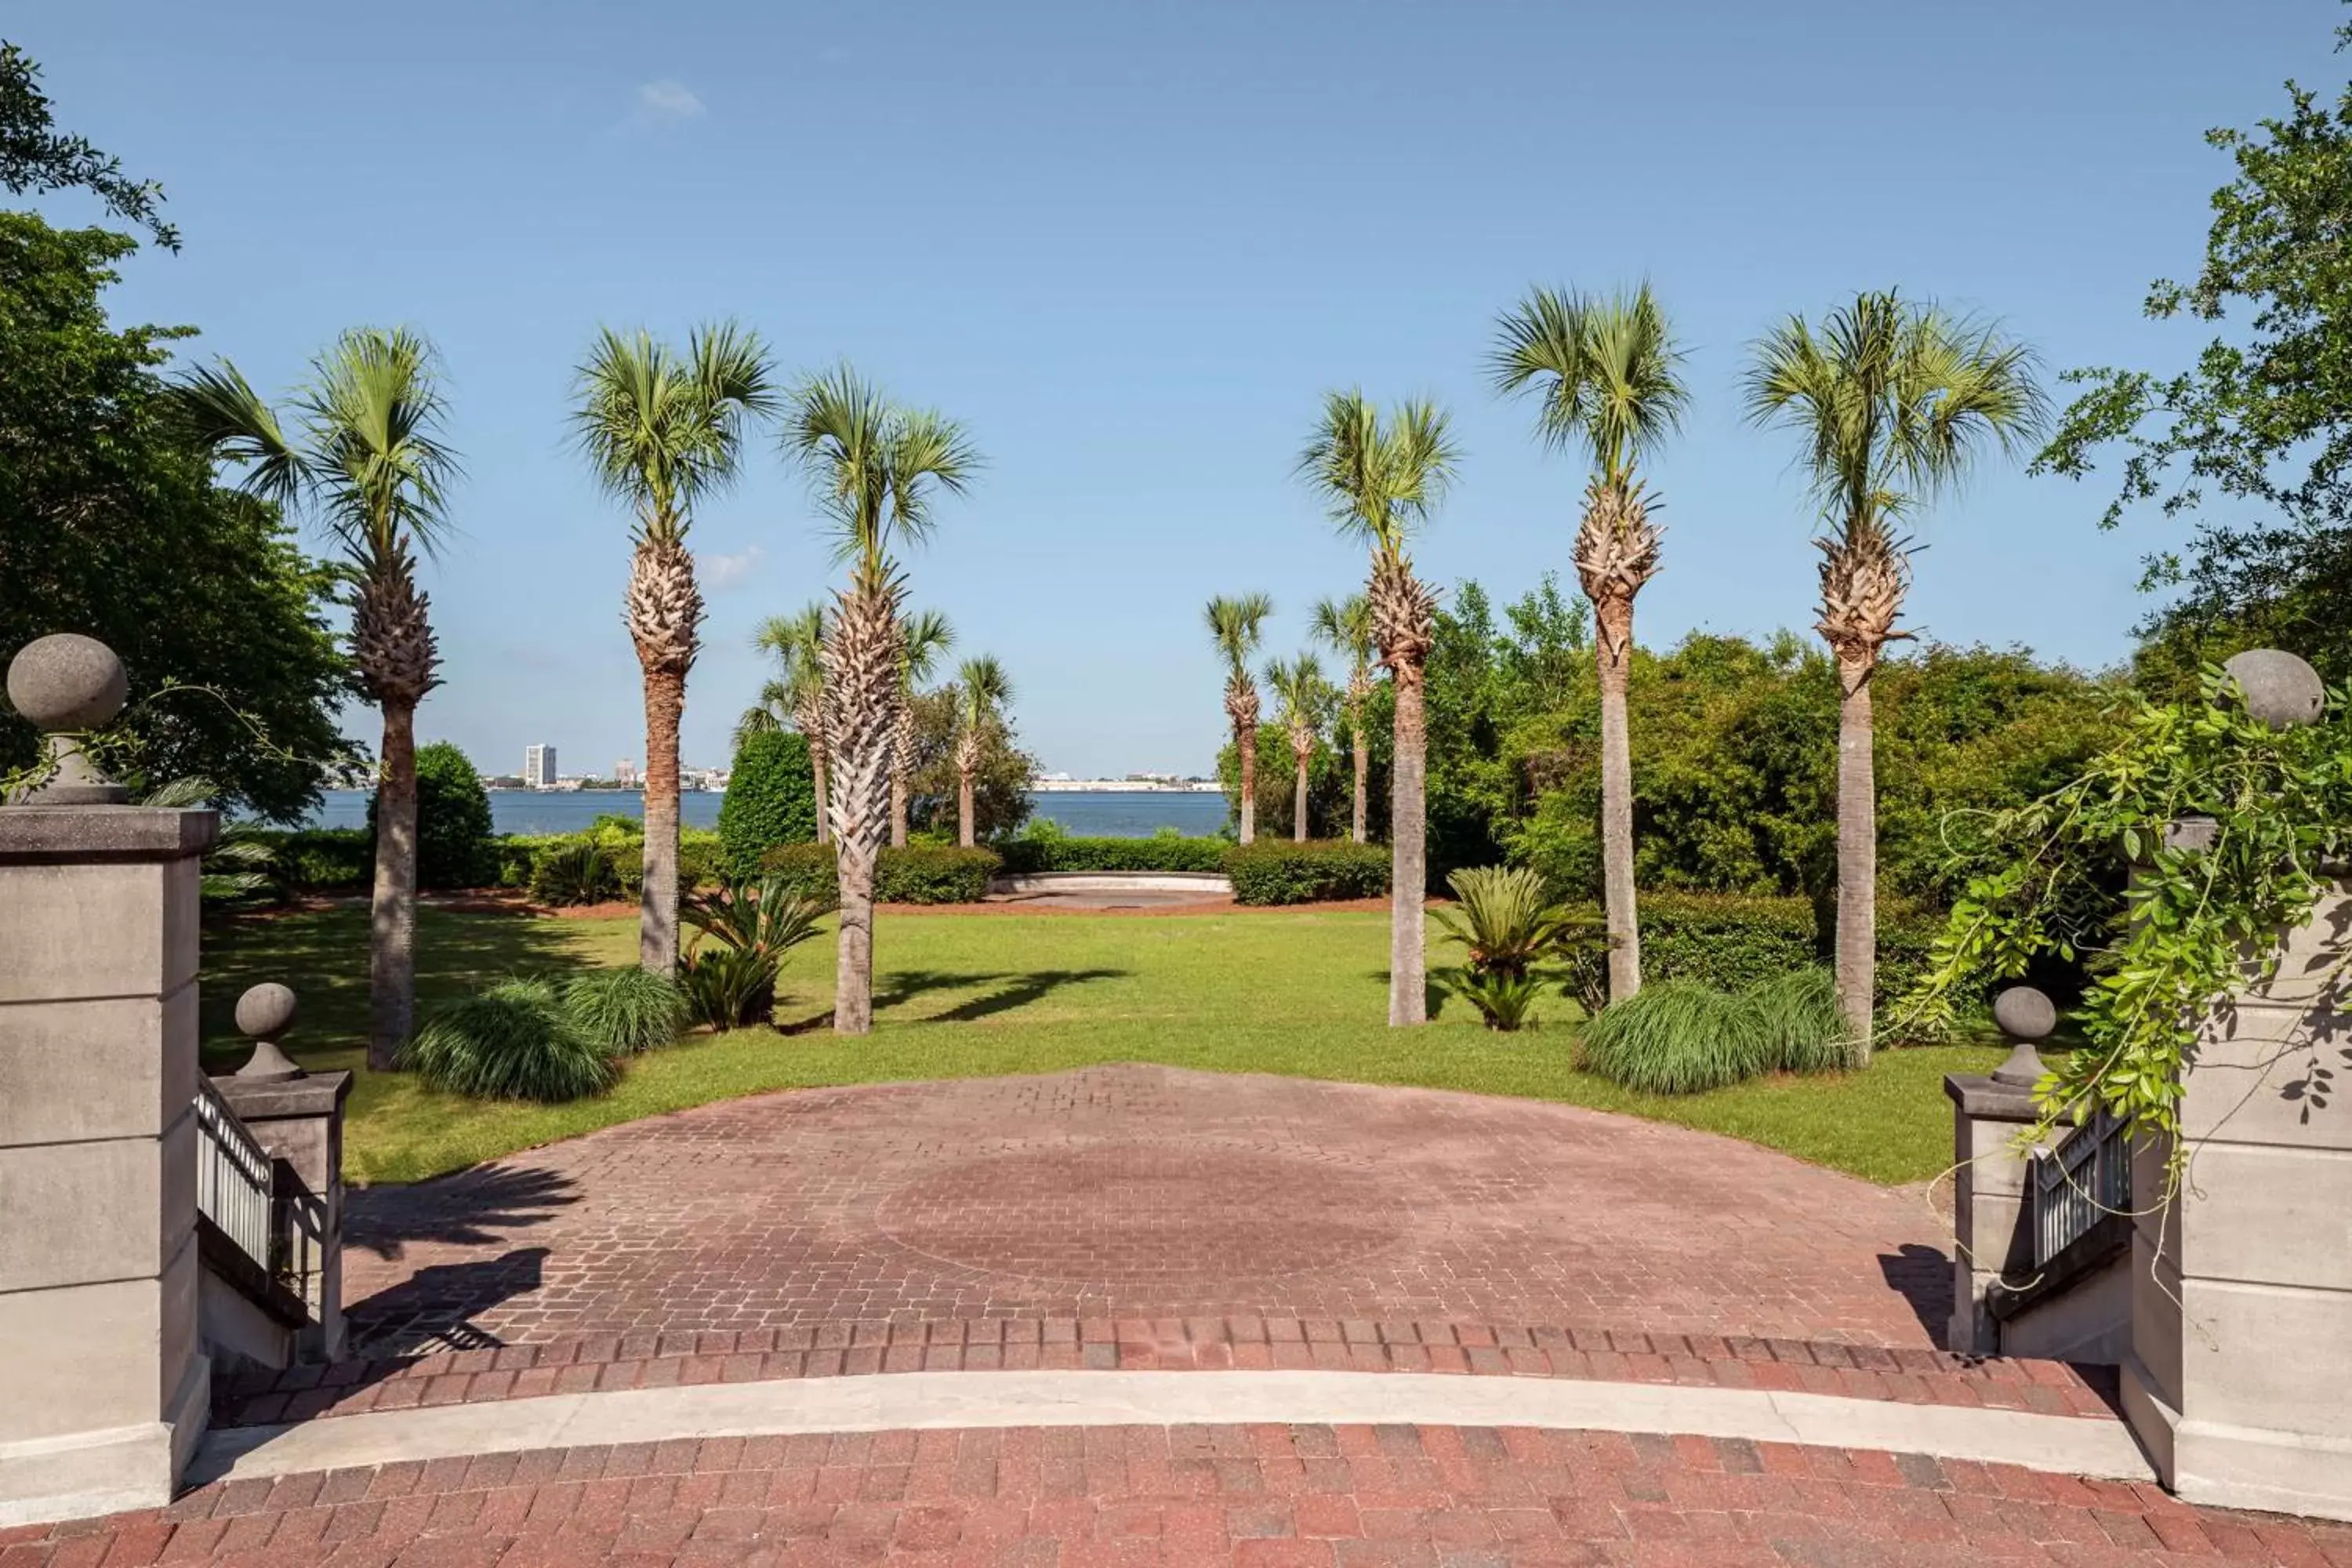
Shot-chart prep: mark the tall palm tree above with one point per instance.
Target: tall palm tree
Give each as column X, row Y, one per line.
column 1610, row 382
column 1893, row 400
column 367, row 460
column 927, row 636
column 1381, row 477
column 875, row 467
column 1345, row 626
column 796, row 642
column 983, row 692
column 1302, row 699
column 1235, row 625
column 661, row 430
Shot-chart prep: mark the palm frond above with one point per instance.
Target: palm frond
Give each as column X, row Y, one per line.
column 926, row 637
column 216, row 406
column 660, row 431
column 1380, row 476
column 1345, row 626
column 983, row 690
column 1235, row 625
column 875, row 467
column 373, row 415
column 1609, row 369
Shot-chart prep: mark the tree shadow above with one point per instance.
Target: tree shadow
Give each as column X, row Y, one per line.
column 433, row 1309
column 1016, row 990
column 473, row 1207
column 323, row 955
column 1922, row 1276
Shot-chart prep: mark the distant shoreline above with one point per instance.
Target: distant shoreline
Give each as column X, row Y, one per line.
column 1120, row 786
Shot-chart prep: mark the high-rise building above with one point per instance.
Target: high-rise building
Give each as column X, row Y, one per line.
column 538, row 766
column 624, row 772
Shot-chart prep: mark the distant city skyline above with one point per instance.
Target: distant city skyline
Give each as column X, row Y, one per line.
column 1139, row 260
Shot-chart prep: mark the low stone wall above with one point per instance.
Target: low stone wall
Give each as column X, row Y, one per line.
column 1207, row 884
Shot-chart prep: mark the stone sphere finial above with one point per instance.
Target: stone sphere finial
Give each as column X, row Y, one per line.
column 66, row 682
column 2026, row 1016
column 2281, row 690
column 266, row 1012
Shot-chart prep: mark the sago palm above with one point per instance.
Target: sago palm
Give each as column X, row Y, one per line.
column 927, row 636
column 1345, row 626
column 366, row 459
column 983, row 692
column 1607, row 373
column 662, row 429
column 1302, row 699
column 1893, row 401
column 796, row 643
column 875, row 467
column 1235, row 625
column 1381, row 479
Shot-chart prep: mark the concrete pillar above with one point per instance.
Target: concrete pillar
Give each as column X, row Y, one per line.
column 105, row 1392
column 299, row 1123
column 1989, row 1196
column 2239, row 1382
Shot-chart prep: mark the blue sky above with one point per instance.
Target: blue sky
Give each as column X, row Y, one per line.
column 1131, row 246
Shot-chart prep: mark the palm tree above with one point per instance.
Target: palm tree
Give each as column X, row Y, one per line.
column 927, row 638
column 368, row 461
column 873, row 467
column 1610, row 385
column 661, row 430
column 1302, row 699
column 983, row 692
column 1235, row 625
column 1893, row 401
column 1345, row 626
column 1382, row 477
column 796, row 642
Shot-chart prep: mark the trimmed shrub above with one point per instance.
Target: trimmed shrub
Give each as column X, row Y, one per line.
column 701, row 858
column 918, row 874
column 771, row 798
column 1733, row 942
column 927, row 874
column 514, row 1041
column 626, row 1011
column 1276, row 871
column 1028, row 855
column 453, row 821
column 324, row 860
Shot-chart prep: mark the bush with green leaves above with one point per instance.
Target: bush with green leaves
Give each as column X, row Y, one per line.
column 917, row 874
column 515, row 1041
column 453, row 821
column 744, row 931
column 574, row 870
column 771, row 798
column 323, row 859
column 1273, row 871
column 1732, row 942
column 627, row 1011
column 806, row 870
column 1513, row 934
column 1685, row 1037
column 1030, row 855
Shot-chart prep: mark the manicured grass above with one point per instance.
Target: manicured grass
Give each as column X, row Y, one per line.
column 1299, row 992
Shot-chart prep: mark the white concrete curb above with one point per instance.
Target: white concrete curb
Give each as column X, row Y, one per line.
column 901, row 1400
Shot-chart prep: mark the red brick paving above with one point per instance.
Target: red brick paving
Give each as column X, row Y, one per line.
column 609, row 1361
column 1146, row 1194
column 1251, row 1495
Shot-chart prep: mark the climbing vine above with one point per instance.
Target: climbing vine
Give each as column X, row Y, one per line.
column 2167, row 868
column 118, row 748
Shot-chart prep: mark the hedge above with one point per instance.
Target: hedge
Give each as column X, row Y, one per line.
column 771, row 798
column 343, row 859
column 1280, row 871
column 1028, row 857
column 1732, row 943
column 918, row 874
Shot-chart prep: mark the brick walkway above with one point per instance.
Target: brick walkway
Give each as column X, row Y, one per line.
column 1146, row 1194
column 1185, row 1495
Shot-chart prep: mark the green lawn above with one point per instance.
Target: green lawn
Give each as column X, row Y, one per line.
column 1298, row 992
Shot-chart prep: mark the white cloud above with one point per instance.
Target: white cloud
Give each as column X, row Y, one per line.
column 722, row 573
column 667, row 99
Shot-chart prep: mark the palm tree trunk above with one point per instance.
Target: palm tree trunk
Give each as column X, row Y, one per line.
column 1245, row 743
column 658, row 897
column 1857, row 861
column 853, row 967
column 861, row 660
column 963, row 807
column 1612, row 653
column 1409, row 850
column 824, row 801
column 392, row 911
column 1298, row 761
column 1363, row 770
column 898, row 807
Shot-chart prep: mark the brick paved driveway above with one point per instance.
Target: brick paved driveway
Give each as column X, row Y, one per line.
column 1272, row 1495
column 1141, row 1193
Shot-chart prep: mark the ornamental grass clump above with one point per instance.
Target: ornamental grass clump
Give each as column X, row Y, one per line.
column 626, row 1011
column 515, row 1041
column 1799, row 1027
column 1680, row 1036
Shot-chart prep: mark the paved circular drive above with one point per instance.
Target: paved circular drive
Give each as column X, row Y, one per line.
column 1141, row 1193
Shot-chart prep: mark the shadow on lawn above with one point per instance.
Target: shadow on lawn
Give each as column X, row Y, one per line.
column 1018, row 991
column 323, row 955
